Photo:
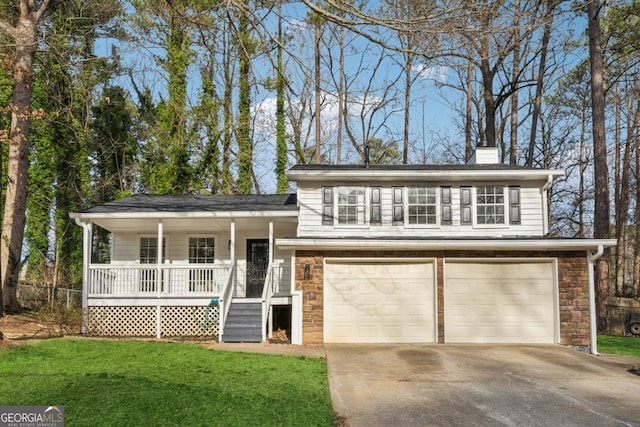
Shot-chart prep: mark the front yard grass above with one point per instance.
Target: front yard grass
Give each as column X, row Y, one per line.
column 135, row 383
column 625, row 346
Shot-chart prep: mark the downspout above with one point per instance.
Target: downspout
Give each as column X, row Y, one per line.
column 545, row 205
column 591, row 258
column 86, row 260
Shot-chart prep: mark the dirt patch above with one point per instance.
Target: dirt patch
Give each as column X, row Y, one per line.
column 38, row 325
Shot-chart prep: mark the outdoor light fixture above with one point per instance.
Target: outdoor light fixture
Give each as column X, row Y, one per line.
column 307, row 272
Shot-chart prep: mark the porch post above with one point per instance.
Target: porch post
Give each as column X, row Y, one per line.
column 232, row 242
column 159, row 278
column 87, row 235
column 270, row 242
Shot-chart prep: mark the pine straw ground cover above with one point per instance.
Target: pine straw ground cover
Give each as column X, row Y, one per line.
column 136, row 383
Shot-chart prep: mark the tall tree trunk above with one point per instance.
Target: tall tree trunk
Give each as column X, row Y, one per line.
column 178, row 54
column 583, row 164
column 407, row 106
column 468, row 146
column 617, row 173
column 24, row 36
column 342, row 102
column 601, row 174
column 542, row 69
column 318, row 156
column 281, row 138
column 227, row 117
column 636, row 257
column 622, row 208
column 513, row 131
column 616, row 189
column 489, row 100
column 245, row 145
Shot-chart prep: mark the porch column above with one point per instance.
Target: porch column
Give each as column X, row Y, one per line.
column 87, row 236
column 159, row 277
column 232, row 242
column 271, row 242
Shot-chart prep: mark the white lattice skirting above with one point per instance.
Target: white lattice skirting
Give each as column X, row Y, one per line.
column 144, row 321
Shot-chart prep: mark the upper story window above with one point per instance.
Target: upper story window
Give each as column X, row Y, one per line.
column 421, row 205
column 490, row 204
column 351, row 205
column 201, row 250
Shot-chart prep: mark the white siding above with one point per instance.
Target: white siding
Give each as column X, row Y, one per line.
column 126, row 246
column 310, row 217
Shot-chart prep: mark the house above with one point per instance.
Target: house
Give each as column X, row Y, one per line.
column 362, row 253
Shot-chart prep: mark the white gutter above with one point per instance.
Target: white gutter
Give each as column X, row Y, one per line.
column 457, row 174
column 199, row 214
column 442, row 244
column 591, row 258
column 86, row 260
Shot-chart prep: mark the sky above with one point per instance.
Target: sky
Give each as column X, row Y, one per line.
column 433, row 108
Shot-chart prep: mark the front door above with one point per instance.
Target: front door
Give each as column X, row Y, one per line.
column 257, row 265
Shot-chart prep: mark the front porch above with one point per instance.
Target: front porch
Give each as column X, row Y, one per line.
column 189, row 301
column 177, row 264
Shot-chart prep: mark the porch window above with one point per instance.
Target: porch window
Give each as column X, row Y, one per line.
column 490, row 204
column 201, row 251
column 149, row 255
column 351, row 205
column 421, row 205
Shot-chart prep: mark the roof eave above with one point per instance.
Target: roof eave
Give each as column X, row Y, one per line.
column 443, row 244
column 88, row 216
column 430, row 175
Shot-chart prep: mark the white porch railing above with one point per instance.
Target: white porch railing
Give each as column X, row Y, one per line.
column 225, row 300
column 111, row 280
column 280, row 279
column 277, row 282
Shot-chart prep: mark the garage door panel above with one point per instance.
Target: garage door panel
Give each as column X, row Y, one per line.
column 499, row 302
column 379, row 302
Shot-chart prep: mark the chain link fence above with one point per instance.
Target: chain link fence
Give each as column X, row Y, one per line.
column 38, row 296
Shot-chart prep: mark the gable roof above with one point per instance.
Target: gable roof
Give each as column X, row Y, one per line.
column 146, row 203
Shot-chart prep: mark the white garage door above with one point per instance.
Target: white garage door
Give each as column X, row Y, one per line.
column 379, row 302
column 499, row 302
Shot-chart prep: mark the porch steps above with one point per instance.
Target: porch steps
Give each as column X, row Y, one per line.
column 244, row 322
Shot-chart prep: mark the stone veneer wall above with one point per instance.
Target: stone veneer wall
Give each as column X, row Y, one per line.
column 572, row 285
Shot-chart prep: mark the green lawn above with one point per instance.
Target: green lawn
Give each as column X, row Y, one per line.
column 130, row 383
column 626, row 346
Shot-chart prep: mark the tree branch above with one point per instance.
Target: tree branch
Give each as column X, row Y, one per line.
column 7, row 28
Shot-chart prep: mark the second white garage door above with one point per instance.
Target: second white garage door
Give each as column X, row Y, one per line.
column 499, row 302
column 379, row 302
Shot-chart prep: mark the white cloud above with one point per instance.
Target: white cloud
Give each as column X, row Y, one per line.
column 437, row 74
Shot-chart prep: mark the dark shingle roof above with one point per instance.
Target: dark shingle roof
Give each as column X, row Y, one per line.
column 459, row 167
column 199, row 203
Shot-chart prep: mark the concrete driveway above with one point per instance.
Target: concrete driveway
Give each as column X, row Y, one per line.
column 481, row 385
